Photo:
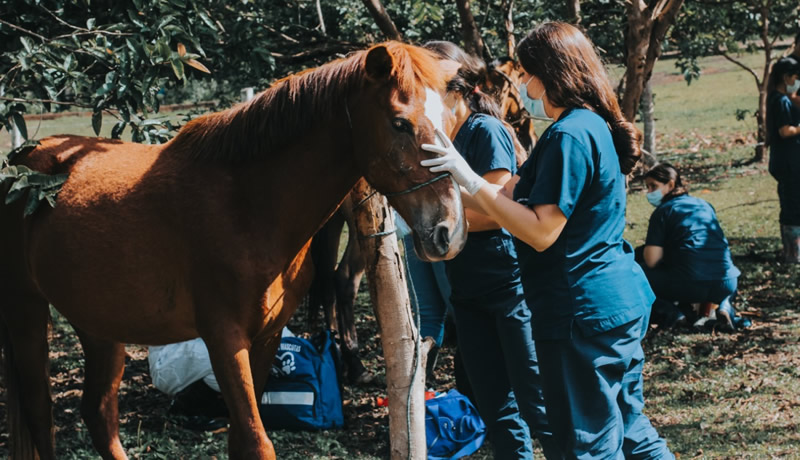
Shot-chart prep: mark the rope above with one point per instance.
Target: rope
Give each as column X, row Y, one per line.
column 403, row 192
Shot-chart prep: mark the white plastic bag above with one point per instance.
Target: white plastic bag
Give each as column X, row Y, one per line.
column 175, row 366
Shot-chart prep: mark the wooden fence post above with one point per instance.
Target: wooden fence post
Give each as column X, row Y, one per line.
column 404, row 353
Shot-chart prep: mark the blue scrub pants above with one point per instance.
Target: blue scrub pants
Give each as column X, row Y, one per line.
column 674, row 287
column 593, row 390
column 430, row 293
column 499, row 356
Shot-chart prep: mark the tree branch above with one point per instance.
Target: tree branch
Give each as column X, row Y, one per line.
column 16, row 27
column 382, row 19
column 45, row 101
column 740, row 64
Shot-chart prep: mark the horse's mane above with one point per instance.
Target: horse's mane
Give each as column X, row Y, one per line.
column 291, row 105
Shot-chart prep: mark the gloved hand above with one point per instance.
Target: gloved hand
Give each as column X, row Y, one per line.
column 451, row 161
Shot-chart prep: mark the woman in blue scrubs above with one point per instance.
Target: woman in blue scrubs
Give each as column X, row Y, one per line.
column 783, row 132
column 686, row 256
column 492, row 319
column 566, row 208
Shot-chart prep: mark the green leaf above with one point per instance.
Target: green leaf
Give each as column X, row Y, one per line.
column 26, row 42
column 17, row 190
column 23, row 149
column 177, row 67
column 90, row 23
column 117, row 130
column 97, row 121
column 19, row 123
column 31, row 204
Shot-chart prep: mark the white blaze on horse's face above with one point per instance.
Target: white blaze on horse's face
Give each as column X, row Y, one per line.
column 435, row 110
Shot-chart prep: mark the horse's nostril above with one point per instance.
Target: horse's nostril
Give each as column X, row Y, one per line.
column 441, row 238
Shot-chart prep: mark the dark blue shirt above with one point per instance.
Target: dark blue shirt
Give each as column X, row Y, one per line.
column 694, row 244
column 588, row 278
column 487, row 267
column 784, row 154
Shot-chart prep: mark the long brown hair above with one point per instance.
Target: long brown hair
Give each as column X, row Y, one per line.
column 565, row 61
column 469, row 77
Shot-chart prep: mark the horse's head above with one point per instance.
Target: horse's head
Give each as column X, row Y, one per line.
column 394, row 113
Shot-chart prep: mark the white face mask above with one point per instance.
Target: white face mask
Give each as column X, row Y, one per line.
column 791, row 89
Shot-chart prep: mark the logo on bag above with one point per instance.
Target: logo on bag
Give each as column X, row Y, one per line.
column 284, row 366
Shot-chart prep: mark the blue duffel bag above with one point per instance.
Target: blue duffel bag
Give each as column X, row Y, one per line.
column 303, row 391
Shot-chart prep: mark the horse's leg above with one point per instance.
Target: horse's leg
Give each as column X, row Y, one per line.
column 324, row 253
column 229, row 348
column 27, row 376
column 348, row 279
column 262, row 355
column 105, row 363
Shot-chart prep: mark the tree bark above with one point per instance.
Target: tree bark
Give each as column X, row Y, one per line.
column 648, row 118
column 405, row 366
column 382, row 19
column 473, row 44
column 321, row 19
column 574, row 12
column 646, row 29
column 508, row 22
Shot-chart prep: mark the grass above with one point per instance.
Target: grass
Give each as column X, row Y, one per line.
column 710, row 395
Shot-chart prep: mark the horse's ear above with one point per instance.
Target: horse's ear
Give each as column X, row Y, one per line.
column 449, row 68
column 379, row 63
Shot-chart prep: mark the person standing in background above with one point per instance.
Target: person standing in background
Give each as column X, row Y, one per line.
column 783, row 137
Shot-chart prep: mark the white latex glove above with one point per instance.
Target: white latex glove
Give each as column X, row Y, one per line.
column 451, row 161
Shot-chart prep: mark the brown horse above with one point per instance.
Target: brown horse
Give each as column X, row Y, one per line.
column 208, row 234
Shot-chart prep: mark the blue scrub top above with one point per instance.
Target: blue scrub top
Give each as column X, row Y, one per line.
column 487, row 268
column 694, row 244
column 784, row 158
column 588, row 278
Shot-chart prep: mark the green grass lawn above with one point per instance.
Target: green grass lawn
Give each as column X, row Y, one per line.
column 711, row 395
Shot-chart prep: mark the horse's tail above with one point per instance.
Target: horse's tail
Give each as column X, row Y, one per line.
column 20, row 438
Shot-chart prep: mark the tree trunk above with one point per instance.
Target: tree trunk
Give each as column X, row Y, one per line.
column 382, row 19
column 473, row 44
column 508, row 21
column 405, row 366
column 648, row 118
column 321, row 19
column 761, row 116
column 647, row 26
column 574, row 12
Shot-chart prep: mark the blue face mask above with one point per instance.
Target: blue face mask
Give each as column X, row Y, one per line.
column 535, row 107
column 654, row 197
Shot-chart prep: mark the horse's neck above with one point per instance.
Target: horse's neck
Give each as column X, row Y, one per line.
column 305, row 184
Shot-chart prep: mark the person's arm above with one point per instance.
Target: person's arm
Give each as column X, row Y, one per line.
column 539, row 226
column 795, row 98
column 788, row 131
column 477, row 219
column 653, row 255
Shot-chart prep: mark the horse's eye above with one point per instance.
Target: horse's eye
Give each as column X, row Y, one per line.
column 402, row 125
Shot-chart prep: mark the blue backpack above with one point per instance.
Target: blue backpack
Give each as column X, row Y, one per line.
column 303, row 391
column 453, row 428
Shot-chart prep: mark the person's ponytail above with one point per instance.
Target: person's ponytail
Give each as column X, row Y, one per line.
column 627, row 141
